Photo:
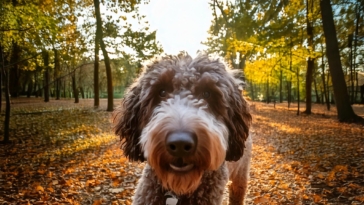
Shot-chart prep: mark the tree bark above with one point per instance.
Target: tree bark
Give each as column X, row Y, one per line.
column 289, row 96
column 74, row 88
column 57, row 67
column 281, row 87
column 326, row 92
column 30, row 85
column 14, row 72
column 351, row 94
column 110, row 94
column 1, row 81
column 309, row 72
column 318, row 100
column 268, row 98
column 46, row 75
column 82, row 92
column 64, row 88
column 253, row 91
column 96, row 71
column 310, row 62
column 289, row 83
column 36, row 83
column 298, row 90
column 7, row 99
column 358, row 17
column 344, row 109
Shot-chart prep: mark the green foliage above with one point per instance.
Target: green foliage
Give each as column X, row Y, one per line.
column 67, row 27
column 264, row 38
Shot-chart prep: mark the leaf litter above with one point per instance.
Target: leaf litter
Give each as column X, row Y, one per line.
column 306, row 159
column 65, row 153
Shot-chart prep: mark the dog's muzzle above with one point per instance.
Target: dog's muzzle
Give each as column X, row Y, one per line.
column 181, row 145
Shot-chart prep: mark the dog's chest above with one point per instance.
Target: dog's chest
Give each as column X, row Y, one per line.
column 209, row 192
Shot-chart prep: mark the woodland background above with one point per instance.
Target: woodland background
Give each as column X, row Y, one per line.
column 63, row 62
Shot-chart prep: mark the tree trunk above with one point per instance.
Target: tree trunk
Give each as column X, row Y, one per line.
column 344, row 109
column 362, row 94
column 310, row 66
column 46, row 85
column 30, row 86
column 82, row 93
column 242, row 61
column 1, row 83
column 310, row 62
column 358, row 17
column 351, row 94
column 298, row 90
column 289, row 90
column 74, row 87
column 110, row 97
column 64, row 88
column 325, row 85
column 46, row 75
column 58, row 89
column 7, row 99
column 35, row 84
column 253, row 91
column 329, row 90
column 281, row 87
column 268, row 98
column 57, row 67
column 14, row 72
column 289, row 97
column 7, row 109
column 318, row 100
column 96, row 72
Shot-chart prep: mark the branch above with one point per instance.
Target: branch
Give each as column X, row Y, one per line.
column 275, row 12
column 21, row 61
column 70, row 73
column 14, row 29
column 222, row 12
column 215, row 15
column 2, row 61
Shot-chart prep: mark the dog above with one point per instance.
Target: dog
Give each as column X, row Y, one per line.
column 187, row 118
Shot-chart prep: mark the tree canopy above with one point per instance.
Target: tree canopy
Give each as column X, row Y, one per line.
column 280, row 45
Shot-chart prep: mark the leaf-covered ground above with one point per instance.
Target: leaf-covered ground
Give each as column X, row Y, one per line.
column 65, row 153
column 306, row 159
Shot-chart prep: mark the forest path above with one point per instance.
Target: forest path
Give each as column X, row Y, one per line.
column 65, row 153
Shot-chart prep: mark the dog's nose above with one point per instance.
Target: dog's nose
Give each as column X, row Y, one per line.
column 181, row 144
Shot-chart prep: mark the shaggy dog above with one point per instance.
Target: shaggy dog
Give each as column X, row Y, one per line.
column 187, row 118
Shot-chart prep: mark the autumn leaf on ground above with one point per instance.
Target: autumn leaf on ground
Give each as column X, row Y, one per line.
column 71, row 156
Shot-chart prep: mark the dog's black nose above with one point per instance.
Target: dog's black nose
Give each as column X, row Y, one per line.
column 181, row 144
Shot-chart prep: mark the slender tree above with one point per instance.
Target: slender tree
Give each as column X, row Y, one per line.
column 310, row 60
column 99, row 33
column 74, row 87
column 324, row 84
column 359, row 8
column 344, row 109
column 46, row 75
column 5, row 74
column 96, row 71
column 57, row 68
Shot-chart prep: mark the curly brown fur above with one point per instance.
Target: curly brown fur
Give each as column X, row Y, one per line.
column 196, row 96
column 151, row 192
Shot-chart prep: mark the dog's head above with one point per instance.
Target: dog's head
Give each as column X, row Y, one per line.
column 184, row 116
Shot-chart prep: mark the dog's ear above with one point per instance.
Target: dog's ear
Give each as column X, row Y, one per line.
column 127, row 124
column 238, row 124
